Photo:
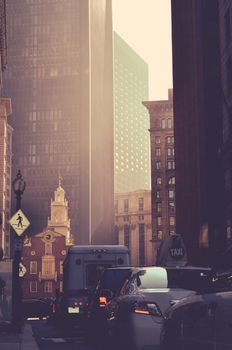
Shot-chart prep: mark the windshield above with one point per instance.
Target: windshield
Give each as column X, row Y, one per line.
column 114, row 279
column 93, row 273
column 152, row 278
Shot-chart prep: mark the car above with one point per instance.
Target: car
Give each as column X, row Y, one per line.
column 110, row 282
column 201, row 322
column 36, row 308
column 134, row 316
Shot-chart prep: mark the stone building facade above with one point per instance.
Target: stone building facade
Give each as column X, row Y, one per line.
column 133, row 225
column 44, row 253
column 162, row 168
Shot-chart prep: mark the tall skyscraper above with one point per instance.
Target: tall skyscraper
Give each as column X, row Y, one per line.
column 132, row 157
column 60, row 78
column 198, row 128
column 5, row 144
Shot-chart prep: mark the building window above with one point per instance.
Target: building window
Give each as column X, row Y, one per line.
column 157, row 194
column 48, row 248
column 48, row 266
column 61, row 286
column 127, row 236
column 141, row 204
column 48, row 287
column 170, row 194
column 126, row 205
column 160, row 234
column 116, row 232
column 33, row 267
column 116, row 206
column 169, row 123
column 171, row 180
column 159, row 207
column 158, row 165
column 157, row 140
column 171, row 220
column 171, row 165
column 163, row 124
column 170, row 139
column 61, row 267
column 172, row 232
column 171, row 152
column 158, row 180
column 33, row 287
column 171, row 207
column 157, row 152
column 227, row 27
column 159, row 220
column 141, row 245
column 126, row 218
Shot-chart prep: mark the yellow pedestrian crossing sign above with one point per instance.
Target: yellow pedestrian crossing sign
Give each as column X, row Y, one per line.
column 19, row 222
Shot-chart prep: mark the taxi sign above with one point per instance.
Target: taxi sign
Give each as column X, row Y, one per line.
column 19, row 222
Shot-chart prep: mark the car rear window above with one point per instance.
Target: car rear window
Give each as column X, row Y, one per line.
column 114, row 279
column 189, row 279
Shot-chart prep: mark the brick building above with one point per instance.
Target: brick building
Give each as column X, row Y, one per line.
column 44, row 253
column 162, row 168
column 133, row 225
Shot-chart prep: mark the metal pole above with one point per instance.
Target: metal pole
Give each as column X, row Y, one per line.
column 17, row 319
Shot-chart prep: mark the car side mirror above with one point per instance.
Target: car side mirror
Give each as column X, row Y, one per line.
column 107, row 293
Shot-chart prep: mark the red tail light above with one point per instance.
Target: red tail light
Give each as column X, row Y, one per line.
column 102, row 301
column 147, row 308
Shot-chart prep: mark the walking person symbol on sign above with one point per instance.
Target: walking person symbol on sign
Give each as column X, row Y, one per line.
column 20, row 220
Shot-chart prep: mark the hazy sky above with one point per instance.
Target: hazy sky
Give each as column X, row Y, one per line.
column 146, row 26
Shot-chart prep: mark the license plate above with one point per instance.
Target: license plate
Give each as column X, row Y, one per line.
column 73, row 310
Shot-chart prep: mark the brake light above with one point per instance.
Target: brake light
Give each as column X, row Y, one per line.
column 102, row 301
column 142, row 312
column 80, row 303
column 147, row 308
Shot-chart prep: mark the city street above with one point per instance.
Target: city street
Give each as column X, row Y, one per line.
column 48, row 337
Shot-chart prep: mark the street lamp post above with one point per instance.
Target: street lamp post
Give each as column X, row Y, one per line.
column 18, row 186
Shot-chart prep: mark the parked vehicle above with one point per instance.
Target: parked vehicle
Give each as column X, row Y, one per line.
column 37, row 308
column 201, row 322
column 134, row 316
column 82, row 269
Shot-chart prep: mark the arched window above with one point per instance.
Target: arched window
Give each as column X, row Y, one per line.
column 158, row 180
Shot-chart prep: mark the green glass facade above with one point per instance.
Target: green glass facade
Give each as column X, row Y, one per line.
column 132, row 155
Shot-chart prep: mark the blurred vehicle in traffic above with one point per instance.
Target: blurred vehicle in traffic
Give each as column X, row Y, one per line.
column 134, row 315
column 83, row 267
column 201, row 322
column 37, row 308
column 108, row 286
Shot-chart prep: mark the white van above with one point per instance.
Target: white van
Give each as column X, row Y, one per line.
column 82, row 269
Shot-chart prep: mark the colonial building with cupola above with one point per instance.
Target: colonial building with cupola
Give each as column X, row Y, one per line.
column 44, row 253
